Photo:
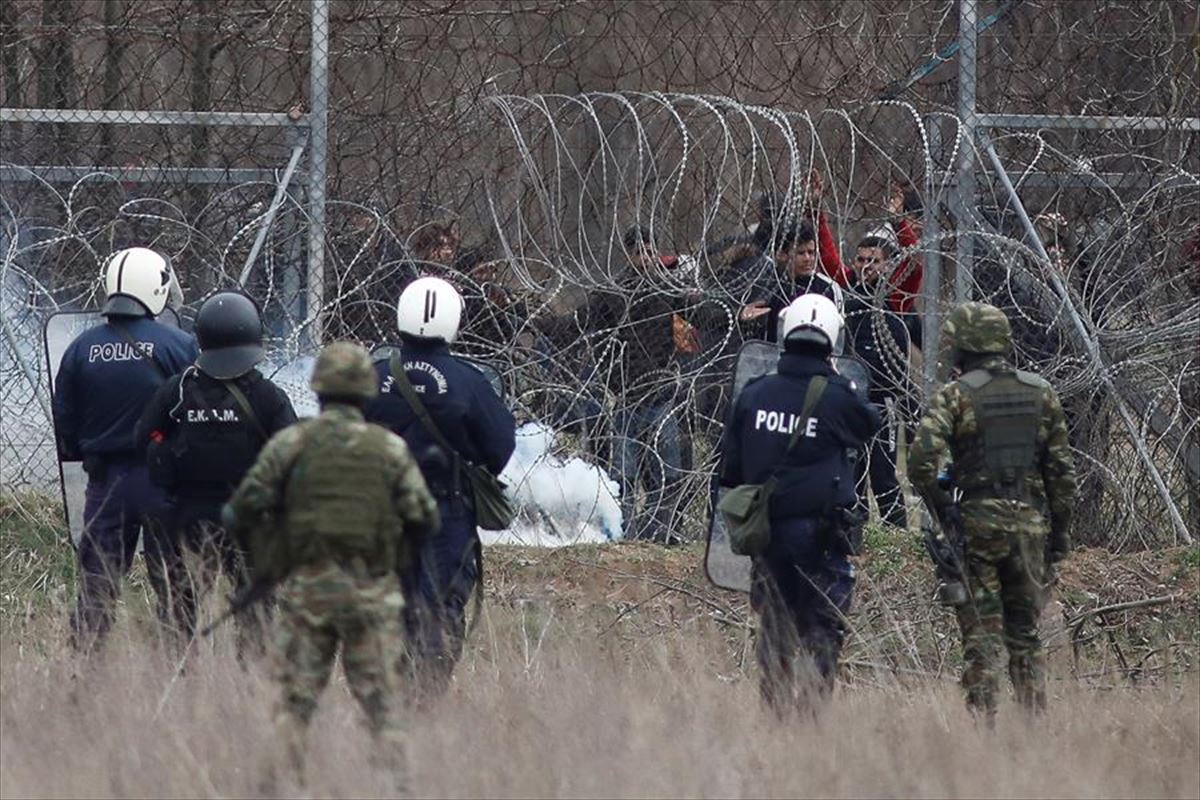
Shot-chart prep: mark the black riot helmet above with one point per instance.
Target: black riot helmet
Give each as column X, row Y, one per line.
column 229, row 331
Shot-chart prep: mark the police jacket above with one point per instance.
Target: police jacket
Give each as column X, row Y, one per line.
column 211, row 439
column 104, row 383
column 462, row 403
column 815, row 475
column 880, row 338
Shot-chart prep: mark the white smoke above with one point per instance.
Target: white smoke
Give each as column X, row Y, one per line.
column 561, row 501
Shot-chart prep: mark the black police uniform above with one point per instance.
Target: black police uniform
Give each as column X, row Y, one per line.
column 473, row 418
column 202, row 444
column 880, row 338
column 107, row 375
column 803, row 582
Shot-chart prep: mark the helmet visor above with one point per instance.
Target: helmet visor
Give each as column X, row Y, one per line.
column 227, row 363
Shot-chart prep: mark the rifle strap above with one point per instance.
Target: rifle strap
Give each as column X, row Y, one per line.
column 816, row 388
column 409, row 393
column 135, row 347
column 244, row 402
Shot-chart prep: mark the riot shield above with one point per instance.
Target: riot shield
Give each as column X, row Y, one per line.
column 384, row 351
column 60, row 330
column 755, row 359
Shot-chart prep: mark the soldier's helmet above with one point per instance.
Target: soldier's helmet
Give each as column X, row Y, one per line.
column 344, row 370
column 978, row 328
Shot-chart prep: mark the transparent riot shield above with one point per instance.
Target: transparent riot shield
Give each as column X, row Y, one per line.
column 385, row 351
column 60, row 330
column 755, row 359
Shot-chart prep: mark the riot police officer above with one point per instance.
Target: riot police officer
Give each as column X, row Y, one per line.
column 799, row 427
column 471, row 422
column 1005, row 431
column 107, row 375
column 203, row 429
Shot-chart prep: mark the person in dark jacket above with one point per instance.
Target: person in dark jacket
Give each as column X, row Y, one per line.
column 204, row 429
column 479, row 429
column 803, row 581
column 106, row 377
column 639, row 337
column 796, row 274
column 881, row 338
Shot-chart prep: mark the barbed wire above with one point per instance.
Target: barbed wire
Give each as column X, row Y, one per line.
column 511, row 150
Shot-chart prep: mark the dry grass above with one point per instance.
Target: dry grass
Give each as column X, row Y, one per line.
column 617, row 671
column 545, row 708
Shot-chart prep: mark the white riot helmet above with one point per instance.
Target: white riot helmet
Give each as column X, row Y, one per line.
column 812, row 319
column 137, row 281
column 430, row 308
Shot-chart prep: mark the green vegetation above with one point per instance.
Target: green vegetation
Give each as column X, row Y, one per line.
column 1189, row 558
column 889, row 551
column 37, row 566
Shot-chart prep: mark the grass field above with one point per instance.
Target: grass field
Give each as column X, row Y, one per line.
column 615, row 670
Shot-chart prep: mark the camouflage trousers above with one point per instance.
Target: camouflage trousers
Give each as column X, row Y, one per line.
column 1005, row 584
column 321, row 608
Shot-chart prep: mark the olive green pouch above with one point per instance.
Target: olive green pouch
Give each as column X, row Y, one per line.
column 746, row 509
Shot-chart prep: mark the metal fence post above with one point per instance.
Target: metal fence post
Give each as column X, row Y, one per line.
column 317, row 157
column 276, row 201
column 931, row 288
column 964, row 211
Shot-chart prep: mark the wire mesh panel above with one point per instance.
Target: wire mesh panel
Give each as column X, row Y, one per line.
column 620, row 192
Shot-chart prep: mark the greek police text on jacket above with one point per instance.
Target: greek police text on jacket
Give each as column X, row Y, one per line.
column 459, row 399
column 103, row 384
column 761, row 424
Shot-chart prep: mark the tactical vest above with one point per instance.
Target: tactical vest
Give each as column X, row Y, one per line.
column 338, row 500
column 1000, row 460
column 213, row 445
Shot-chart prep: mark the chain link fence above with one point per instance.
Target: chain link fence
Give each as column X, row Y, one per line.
column 321, row 154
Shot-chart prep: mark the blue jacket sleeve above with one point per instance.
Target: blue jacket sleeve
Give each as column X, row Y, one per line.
column 493, row 427
column 864, row 421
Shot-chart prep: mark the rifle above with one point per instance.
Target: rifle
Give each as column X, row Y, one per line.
column 255, row 592
column 946, row 548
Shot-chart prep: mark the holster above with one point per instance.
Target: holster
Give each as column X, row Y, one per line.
column 95, row 467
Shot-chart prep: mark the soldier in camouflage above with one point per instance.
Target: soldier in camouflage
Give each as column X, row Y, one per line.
column 1005, row 432
column 330, row 509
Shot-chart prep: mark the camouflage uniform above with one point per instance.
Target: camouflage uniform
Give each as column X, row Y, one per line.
column 330, row 506
column 1014, row 519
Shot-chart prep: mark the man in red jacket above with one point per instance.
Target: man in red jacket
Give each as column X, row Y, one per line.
column 906, row 278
